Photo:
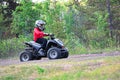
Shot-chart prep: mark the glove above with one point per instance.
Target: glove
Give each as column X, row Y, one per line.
column 46, row 34
column 50, row 34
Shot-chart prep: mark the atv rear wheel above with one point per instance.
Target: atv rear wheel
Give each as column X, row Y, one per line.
column 25, row 56
column 54, row 53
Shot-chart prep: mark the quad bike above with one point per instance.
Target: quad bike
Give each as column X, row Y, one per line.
column 54, row 50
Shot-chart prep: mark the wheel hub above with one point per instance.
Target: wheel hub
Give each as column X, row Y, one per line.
column 25, row 57
column 53, row 54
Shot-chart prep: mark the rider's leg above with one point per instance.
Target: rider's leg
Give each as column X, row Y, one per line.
column 42, row 41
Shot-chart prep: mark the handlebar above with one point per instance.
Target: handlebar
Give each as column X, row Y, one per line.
column 51, row 36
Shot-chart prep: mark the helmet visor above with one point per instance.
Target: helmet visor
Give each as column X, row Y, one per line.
column 42, row 27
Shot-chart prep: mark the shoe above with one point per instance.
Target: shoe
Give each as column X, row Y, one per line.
column 41, row 52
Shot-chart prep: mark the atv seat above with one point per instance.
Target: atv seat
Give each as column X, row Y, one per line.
column 33, row 44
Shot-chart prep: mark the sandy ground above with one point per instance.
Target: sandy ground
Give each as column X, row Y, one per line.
column 83, row 57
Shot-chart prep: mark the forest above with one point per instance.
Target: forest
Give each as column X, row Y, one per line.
column 85, row 26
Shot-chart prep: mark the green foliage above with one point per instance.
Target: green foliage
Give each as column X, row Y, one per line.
column 9, row 77
column 99, row 35
column 100, row 21
column 68, row 22
column 40, row 70
column 6, row 8
column 12, row 47
column 52, row 12
column 1, row 21
column 24, row 17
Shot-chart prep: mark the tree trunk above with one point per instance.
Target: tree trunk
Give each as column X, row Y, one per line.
column 110, row 18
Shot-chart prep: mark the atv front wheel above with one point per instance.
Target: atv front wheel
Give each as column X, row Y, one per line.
column 66, row 55
column 54, row 53
column 25, row 56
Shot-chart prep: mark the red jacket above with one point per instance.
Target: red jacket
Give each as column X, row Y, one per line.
column 38, row 34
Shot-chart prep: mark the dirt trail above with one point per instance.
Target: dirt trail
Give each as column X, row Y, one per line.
column 83, row 57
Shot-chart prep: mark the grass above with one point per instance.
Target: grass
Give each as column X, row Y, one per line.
column 107, row 68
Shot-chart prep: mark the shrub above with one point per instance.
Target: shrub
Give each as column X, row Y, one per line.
column 11, row 47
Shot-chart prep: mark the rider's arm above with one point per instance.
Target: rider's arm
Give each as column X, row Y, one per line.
column 40, row 33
